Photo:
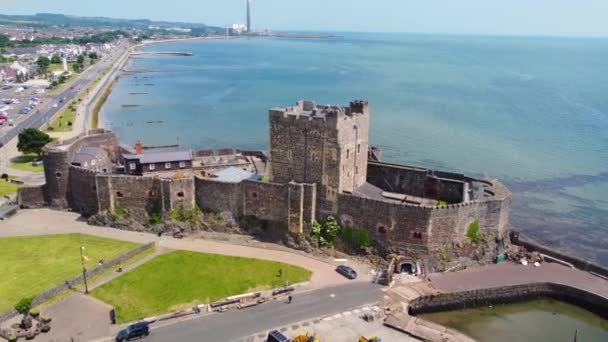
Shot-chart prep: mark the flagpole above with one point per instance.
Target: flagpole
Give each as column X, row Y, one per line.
column 84, row 271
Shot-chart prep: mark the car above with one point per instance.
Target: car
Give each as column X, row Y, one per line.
column 133, row 331
column 277, row 336
column 7, row 88
column 346, row 271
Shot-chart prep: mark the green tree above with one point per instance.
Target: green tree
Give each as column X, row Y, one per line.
column 32, row 140
column 43, row 64
column 76, row 67
column 327, row 232
column 93, row 55
column 473, row 232
column 363, row 238
column 55, row 59
column 80, row 60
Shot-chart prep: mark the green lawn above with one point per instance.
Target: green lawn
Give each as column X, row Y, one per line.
column 61, row 122
column 182, row 279
column 24, row 163
column 6, row 187
column 31, row 265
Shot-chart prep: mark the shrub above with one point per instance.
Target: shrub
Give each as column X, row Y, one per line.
column 155, row 214
column 326, row 233
column 363, row 238
column 120, row 212
column 183, row 215
column 24, row 305
column 473, row 232
column 347, row 235
column 4, row 176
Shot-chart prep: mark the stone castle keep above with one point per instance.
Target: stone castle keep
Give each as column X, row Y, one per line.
column 320, row 163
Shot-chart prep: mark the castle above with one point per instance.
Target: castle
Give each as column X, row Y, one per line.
column 319, row 164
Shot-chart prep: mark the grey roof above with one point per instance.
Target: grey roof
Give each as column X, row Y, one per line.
column 85, row 154
column 160, row 157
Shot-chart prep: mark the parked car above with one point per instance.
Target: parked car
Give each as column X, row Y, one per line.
column 133, row 331
column 276, row 336
column 346, row 271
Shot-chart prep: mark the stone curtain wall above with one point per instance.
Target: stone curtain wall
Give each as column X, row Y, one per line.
column 509, row 294
column 416, row 181
column 46, row 295
column 178, row 192
column 392, row 222
column 290, row 204
column 82, row 194
column 32, row 197
column 137, row 195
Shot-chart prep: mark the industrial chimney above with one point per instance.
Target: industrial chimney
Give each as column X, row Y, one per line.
column 248, row 16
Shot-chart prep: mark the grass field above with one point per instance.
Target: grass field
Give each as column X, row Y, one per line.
column 31, row 265
column 182, row 279
column 61, row 122
column 24, row 163
column 7, row 188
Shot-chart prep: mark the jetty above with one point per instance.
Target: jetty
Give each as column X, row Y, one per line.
column 159, row 53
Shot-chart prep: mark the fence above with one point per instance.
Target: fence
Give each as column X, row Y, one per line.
column 46, row 295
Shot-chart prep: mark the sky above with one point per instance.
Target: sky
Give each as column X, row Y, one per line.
column 502, row 17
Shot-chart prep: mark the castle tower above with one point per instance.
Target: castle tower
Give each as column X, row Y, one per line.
column 248, row 16
column 326, row 145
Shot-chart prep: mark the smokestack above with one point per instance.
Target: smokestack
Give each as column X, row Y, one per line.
column 248, row 16
column 138, row 148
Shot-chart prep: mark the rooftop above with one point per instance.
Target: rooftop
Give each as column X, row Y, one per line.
column 160, row 157
column 236, row 175
column 85, row 154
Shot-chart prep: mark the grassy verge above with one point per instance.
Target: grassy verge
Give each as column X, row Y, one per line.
column 182, row 279
column 93, row 280
column 31, row 265
column 64, row 121
column 60, row 87
column 24, row 163
column 6, row 187
column 100, row 102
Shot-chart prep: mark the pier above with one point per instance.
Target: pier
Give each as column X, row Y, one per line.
column 158, row 53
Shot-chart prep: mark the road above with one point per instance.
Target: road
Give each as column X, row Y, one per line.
column 37, row 120
column 237, row 325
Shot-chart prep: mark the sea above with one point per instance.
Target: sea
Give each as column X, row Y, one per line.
column 529, row 111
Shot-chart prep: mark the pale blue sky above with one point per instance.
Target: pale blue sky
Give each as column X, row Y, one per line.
column 514, row 17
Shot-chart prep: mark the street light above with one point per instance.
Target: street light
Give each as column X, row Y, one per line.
column 84, row 271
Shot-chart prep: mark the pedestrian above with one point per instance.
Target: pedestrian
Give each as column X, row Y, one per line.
column 280, row 273
column 289, row 300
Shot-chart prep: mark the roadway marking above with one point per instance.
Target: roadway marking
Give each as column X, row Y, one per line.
column 332, row 295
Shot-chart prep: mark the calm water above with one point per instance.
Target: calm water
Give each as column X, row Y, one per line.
column 539, row 321
column 530, row 111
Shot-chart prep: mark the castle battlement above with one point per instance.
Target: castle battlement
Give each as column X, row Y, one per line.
column 305, row 110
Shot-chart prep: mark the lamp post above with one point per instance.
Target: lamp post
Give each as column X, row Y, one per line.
column 84, row 271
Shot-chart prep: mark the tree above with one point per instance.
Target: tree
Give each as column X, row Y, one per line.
column 43, row 63
column 55, row 59
column 93, row 55
column 76, row 67
column 32, row 140
column 327, row 232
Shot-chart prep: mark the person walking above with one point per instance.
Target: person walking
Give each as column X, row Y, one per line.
column 280, row 273
column 289, row 300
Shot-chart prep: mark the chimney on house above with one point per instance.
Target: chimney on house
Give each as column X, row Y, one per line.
column 138, row 148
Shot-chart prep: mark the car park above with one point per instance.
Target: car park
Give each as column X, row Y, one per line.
column 133, row 331
column 346, row 271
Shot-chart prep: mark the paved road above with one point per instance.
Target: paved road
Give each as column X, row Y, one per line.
column 37, row 120
column 236, row 325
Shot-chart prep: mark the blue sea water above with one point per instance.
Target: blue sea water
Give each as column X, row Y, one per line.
column 530, row 111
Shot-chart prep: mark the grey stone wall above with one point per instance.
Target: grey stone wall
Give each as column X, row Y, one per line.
column 416, row 181
column 57, row 158
column 31, row 197
column 178, row 192
column 82, row 192
column 509, row 294
column 138, row 195
column 46, row 295
column 218, row 196
column 390, row 222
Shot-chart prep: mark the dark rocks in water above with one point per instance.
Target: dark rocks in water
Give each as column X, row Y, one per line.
column 129, row 106
column 138, row 93
column 148, row 84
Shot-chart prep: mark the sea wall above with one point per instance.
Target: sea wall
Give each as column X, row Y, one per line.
column 585, row 265
column 509, row 294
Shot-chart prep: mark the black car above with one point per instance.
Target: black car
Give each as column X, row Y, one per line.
column 133, row 331
column 276, row 336
column 346, row 271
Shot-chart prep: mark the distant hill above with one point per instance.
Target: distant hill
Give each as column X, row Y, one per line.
column 62, row 20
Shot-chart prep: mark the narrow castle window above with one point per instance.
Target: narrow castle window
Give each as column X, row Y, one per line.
column 254, row 195
column 347, row 154
column 382, row 229
column 289, row 155
column 180, row 194
column 58, row 175
column 119, row 194
column 359, row 148
column 151, row 193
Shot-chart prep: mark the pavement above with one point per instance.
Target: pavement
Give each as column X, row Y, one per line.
column 508, row 274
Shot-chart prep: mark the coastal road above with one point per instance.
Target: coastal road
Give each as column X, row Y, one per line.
column 237, row 325
column 37, row 120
